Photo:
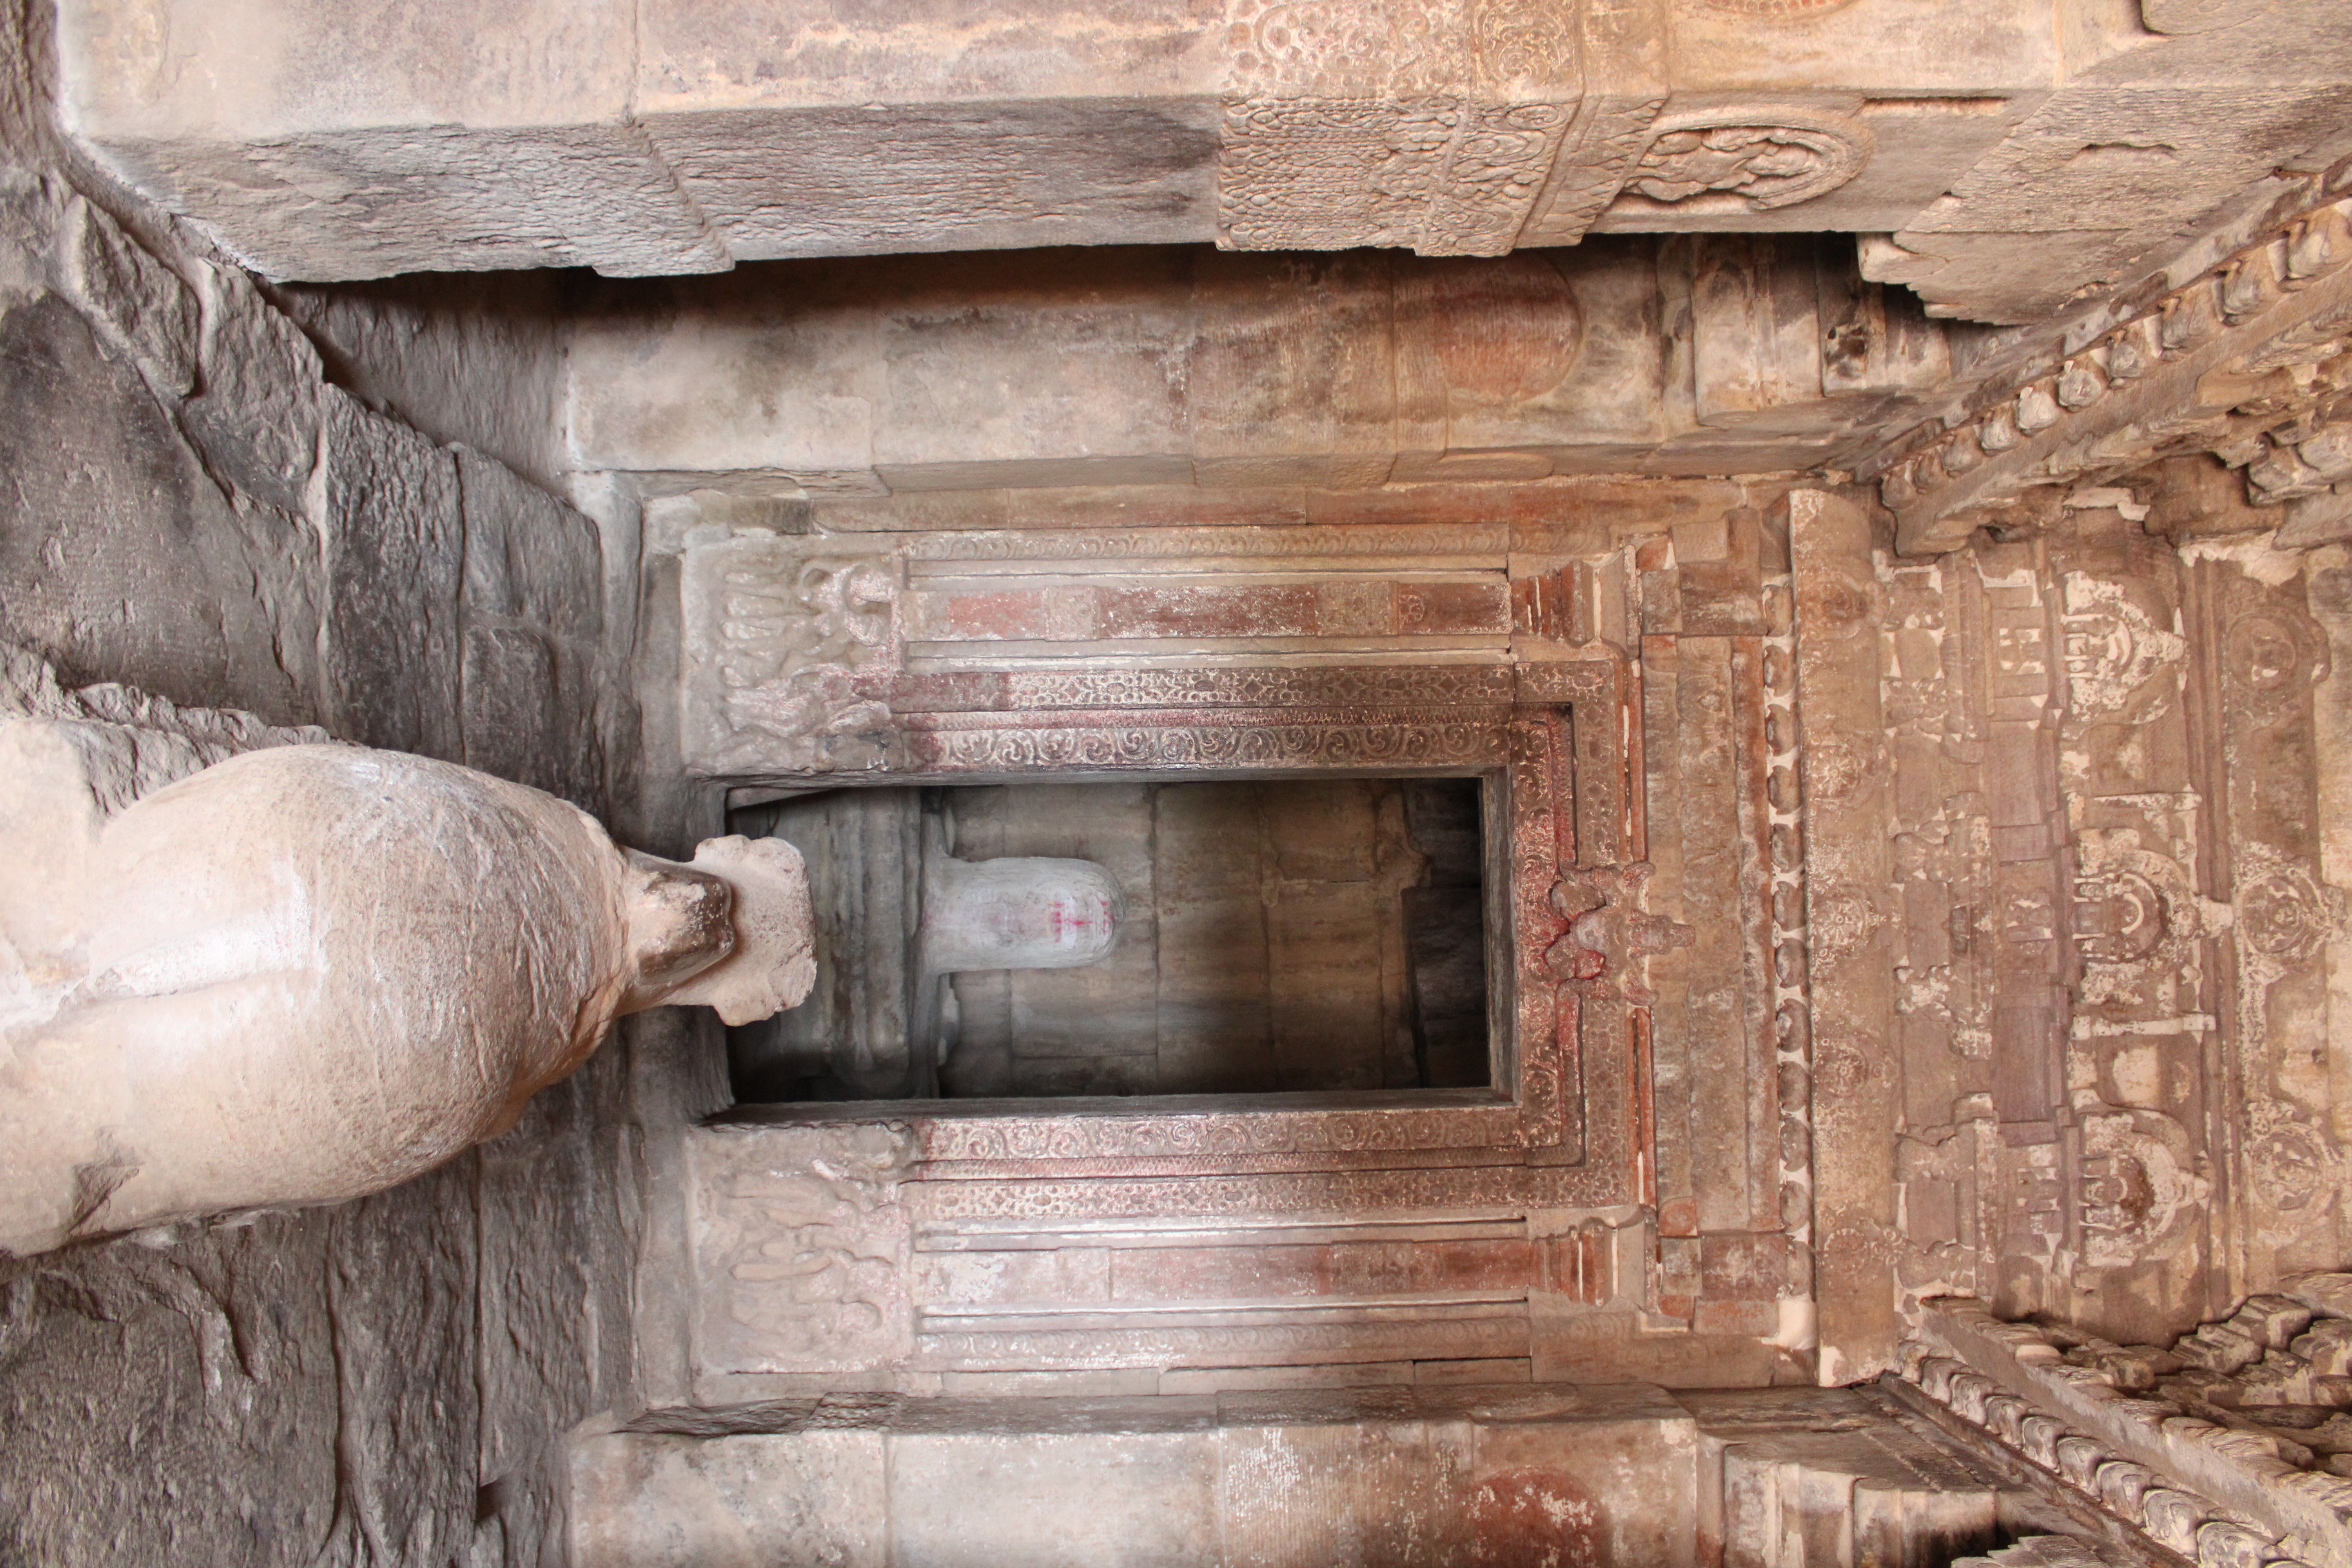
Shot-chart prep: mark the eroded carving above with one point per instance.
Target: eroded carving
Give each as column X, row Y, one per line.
column 1289, row 738
column 2248, row 361
column 778, row 635
column 2142, row 1190
column 1270, row 686
column 803, row 1239
column 1761, row 161
column 1431, row 126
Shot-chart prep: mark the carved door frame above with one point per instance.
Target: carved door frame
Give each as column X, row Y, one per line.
column 1565, row 1127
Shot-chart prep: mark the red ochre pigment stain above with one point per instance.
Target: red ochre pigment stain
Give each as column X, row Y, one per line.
column 1535, row 1518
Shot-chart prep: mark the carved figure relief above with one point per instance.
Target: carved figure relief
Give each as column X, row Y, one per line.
column 1461, row 127
column 808, row 1239
column 786, row 639
column 310, row 973
column 1426, row 126
column 2118, row 658
column 1764, row 165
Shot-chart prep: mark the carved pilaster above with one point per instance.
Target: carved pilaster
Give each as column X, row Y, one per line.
column 1849, row 871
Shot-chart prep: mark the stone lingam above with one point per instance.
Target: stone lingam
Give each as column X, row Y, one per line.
column 1016, row 912
column 307, row 973
column 898, row 915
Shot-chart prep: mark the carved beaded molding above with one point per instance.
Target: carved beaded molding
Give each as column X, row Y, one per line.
column 2232, row 363
column 2216, row 1494
column 2181, row 1520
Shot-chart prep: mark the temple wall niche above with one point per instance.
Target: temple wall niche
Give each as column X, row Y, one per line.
column 200, row 512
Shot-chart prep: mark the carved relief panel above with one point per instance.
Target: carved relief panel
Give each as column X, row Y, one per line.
column 2121, row 1100
column 1468, row 127
column 1472, row 1226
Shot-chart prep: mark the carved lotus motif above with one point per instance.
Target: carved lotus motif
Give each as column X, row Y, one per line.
column 1836, row 768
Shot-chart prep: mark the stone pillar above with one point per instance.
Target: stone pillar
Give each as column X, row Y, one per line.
column 1849, row 868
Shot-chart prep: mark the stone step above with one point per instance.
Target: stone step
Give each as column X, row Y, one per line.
column 1831, row 1479
column 2038, row 1552
column 1839, row 1511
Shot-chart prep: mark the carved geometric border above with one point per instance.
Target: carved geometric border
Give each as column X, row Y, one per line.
column 1555, row 733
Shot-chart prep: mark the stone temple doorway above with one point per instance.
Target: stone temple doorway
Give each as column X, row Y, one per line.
column 1278, row 936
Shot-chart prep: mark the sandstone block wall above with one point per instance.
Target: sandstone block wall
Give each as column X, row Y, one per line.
column 196, row 511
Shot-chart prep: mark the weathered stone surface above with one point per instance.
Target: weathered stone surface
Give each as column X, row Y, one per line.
column 143, row 307
column 1126, row 368
column 818, row 1496
column 117, row 512
column 2235, row 1469
column 258, row 415
column 1849, row 872
column 2241, row 358
column 512, row 715
column 1471, row 1475
column 473, row 360
column 676, row 138
column 395, row 559
column 555, row 1255
column 528, row 556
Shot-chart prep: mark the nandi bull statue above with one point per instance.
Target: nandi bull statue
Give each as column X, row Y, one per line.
column 309, row 972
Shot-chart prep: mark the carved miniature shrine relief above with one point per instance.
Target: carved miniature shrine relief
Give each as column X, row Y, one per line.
column 2118, row 926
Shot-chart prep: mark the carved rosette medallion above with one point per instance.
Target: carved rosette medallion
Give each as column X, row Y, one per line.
column 2285, row 914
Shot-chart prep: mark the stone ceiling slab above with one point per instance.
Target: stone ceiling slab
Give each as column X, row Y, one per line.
column 371, row 138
